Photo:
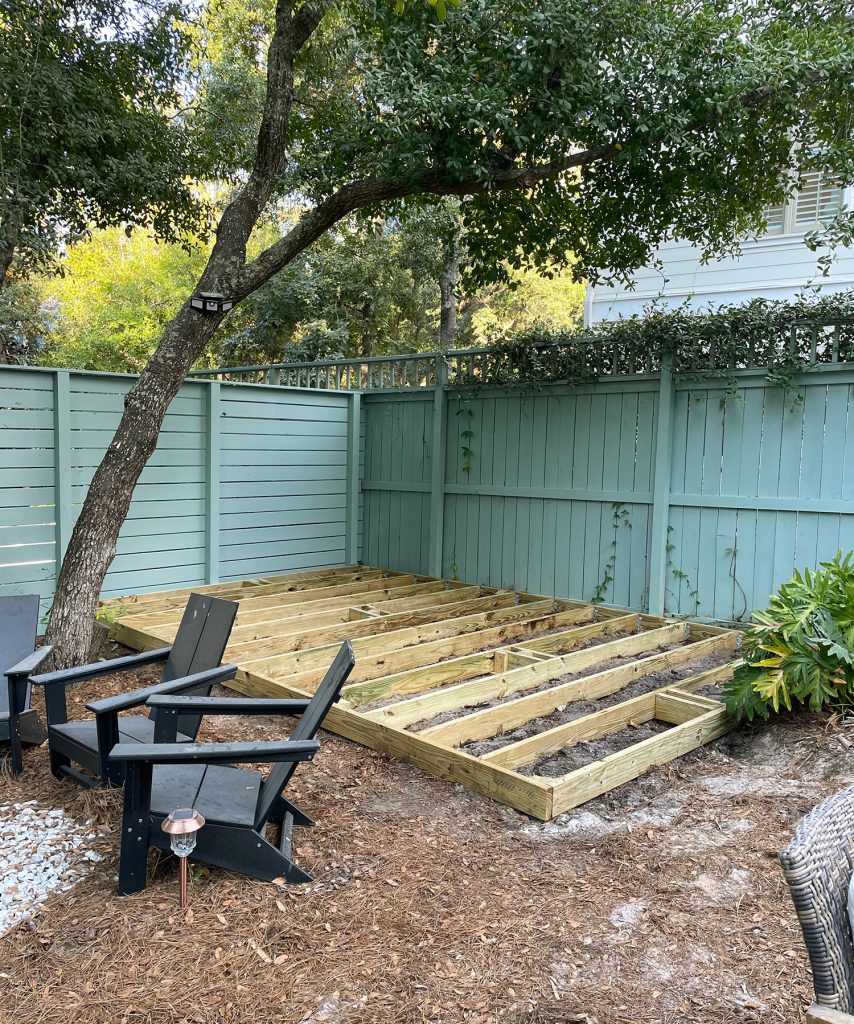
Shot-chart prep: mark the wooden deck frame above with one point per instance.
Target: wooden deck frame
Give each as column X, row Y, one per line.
column 492, row 659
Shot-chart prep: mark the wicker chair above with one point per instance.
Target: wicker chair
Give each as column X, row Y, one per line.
column 818, row 864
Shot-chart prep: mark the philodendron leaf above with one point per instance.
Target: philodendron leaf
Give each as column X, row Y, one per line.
column 741, row 699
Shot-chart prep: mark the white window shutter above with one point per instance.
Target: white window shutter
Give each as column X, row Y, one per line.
column 775, row 218
column 817, row 201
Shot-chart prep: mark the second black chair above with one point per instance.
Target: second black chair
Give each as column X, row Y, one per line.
column 191, row 666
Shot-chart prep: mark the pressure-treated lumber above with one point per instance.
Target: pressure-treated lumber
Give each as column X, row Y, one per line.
column 299, row 603
column 299, row 651
column 407, row 649
column 496, row 687
column 236, row 589
column 601, row 776
column 510, row 715
column 589, row 727
column 426, row 646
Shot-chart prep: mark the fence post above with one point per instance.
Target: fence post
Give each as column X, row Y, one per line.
column 661, row 489
column 212, row 481
column 437, row 468
column 351, row 541
column 62, row 462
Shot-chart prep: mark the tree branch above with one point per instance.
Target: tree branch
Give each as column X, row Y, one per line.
column 367, row 191
column 306, row 20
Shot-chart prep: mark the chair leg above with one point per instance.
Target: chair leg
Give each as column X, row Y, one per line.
column 58, row 762
column 283, row 807
column 133, row 856
column 17, row 689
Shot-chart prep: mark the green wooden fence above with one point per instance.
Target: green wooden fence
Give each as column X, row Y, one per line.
column 246, row 481
column 667, row 492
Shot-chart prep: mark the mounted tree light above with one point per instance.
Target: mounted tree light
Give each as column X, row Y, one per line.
column 181, row 826
column 211, row 302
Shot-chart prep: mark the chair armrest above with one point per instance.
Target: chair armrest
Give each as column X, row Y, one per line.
column 229, row 705
column 216, row 753
column 100, row 668
column 123, row 701
column 30, row 663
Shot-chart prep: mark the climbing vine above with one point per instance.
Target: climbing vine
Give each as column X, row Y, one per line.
column 679, row 574
column 621, row 517
column 782, row 337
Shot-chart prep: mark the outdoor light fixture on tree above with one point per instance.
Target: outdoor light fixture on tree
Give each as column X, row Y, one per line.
column 181, row 826
column 211, row 302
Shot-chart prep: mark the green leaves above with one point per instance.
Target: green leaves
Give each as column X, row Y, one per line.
column 800, row 650
column 89, row 132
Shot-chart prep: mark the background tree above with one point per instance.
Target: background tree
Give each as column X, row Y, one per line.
column 85, row 133
column 565, row 128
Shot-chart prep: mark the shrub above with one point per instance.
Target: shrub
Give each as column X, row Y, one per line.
column 799, row 651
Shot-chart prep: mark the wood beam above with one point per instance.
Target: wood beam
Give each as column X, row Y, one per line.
column 601, row 776
column 243, row 590
column 305, row 651
column 510, row 715
column 569, row 734
column 381, row 654
column 502, row 684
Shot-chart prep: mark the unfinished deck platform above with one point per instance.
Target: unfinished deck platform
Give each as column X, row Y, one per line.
column 487, row 687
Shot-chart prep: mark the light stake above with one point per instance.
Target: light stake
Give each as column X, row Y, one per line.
column 181, row 826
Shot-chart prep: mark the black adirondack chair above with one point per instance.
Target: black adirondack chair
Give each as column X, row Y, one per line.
column 191, row 665
column 236, row 804
column 19, row 723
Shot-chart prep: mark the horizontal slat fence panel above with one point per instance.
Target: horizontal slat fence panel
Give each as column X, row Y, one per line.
column 245, row 481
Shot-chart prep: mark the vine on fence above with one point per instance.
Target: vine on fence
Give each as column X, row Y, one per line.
column 621, row 517
column 679, row 574
column 783, row 337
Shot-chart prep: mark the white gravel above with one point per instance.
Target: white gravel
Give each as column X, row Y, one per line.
column 41, row 851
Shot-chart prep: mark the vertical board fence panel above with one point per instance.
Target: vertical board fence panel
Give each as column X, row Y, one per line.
column 587, row 493
column 246, row 480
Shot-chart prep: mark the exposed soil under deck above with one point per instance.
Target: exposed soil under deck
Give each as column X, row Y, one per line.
column 578, row 709
column 549, row 684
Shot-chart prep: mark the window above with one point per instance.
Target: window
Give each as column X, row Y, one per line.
column 818, row 200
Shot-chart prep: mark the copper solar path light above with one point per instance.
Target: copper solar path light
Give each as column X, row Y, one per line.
column 181, row 826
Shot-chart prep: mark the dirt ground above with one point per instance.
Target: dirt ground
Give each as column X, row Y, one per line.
column 662, row 901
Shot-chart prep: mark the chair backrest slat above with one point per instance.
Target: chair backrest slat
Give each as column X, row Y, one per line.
column 19, row 623
column 306, row 729
column 199, row 645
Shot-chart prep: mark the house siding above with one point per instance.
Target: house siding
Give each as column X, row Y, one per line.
column 773, row 268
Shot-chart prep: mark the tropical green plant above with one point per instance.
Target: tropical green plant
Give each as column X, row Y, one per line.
column 799, row 651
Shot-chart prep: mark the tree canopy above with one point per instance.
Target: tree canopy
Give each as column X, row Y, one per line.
column 596, row 131
column 88, row 129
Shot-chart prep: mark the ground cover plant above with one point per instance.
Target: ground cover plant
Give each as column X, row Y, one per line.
column 799, row 651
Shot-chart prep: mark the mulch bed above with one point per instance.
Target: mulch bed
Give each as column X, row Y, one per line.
column 662, row 901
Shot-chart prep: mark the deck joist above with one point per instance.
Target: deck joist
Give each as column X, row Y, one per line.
column 441, row 664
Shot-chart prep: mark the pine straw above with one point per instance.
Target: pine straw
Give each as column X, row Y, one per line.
column 432, row 904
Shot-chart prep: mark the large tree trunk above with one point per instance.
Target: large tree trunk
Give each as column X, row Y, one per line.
column 93, row 541
column 9, row 234
column 448, row 297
